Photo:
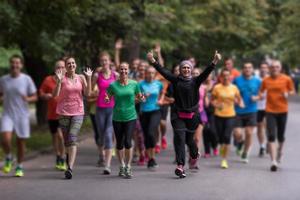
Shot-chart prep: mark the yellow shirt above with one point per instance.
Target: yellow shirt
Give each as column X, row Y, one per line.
column 226, row 96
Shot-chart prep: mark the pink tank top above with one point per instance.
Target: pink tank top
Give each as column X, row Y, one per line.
column 201, row 99
column 70, row 100
column 103, row 84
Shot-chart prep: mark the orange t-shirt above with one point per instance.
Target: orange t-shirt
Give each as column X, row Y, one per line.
column 275, row 88
column 48, row 86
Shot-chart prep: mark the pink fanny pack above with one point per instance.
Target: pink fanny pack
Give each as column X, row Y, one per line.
column 185, row 115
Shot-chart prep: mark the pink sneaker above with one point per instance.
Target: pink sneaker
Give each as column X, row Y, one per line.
column 141, row 161
column 193, row 163
column 179, row 171
column 164, row 144
column 216, row 152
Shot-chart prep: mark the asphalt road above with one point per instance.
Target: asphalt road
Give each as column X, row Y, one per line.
column 240, row 181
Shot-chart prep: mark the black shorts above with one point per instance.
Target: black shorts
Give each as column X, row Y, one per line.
column 164, row 112
column 261, row 116
column 245, row 120
column 53, row 126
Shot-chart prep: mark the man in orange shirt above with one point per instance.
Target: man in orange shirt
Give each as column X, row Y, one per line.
column 278, row 87
column 229, row 65
column 45, row 92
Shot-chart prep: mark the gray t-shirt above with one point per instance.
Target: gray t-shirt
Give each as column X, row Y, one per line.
column 13, row 89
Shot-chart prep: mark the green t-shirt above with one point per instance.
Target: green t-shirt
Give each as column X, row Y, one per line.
column 124, row 109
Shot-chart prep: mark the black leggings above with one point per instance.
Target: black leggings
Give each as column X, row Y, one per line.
column 184, row 130
column 276, row 123
column 124, row 132
column 224, row 127
column 150, row 122
column 96, row 134
column 210, row 137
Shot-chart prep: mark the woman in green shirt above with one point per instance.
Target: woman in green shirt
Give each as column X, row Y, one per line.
column 125, row 92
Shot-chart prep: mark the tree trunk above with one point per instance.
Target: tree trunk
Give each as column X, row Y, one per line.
column 36, row 68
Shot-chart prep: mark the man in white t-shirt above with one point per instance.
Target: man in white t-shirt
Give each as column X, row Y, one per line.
column 17, row 90
column 261, row 106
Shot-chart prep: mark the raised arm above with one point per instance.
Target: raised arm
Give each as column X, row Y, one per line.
column 157, row 50
column 203, row 76
column 88, row 81
column 163, row 71
column 59, row 78
column 118, row 47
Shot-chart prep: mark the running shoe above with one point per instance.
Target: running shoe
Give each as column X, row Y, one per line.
column 216, row 152
column 19, row 172
column 164, row 144
column 155, row 165
column 107, row 171
column 7, row 165
column 244, row 158
column 57, row 164
column 152, row 164
column 69, row 173
column 179, row 171
column 141, row 161
column 193, row 164
column 262, row 152
column 128, row 172
column 122, row 171
column 157, row 149
column 274, row 166
column 224, row 164
column 62, row 165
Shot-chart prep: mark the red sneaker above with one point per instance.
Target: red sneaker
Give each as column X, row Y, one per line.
column 141, row 161
column 164, row 144
column 157, row 149
column 216, row 152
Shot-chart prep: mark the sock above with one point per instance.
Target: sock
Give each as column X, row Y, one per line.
column 263, row 146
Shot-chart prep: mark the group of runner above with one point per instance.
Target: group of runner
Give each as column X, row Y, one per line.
column 128, row 106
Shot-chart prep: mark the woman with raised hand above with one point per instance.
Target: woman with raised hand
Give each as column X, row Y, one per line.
column 185, row 120
column 125, row 91
column 103, row 77
column 70, row 89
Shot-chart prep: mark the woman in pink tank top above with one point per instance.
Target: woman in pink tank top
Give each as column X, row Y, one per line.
column 103, row 77
column 70, row 90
